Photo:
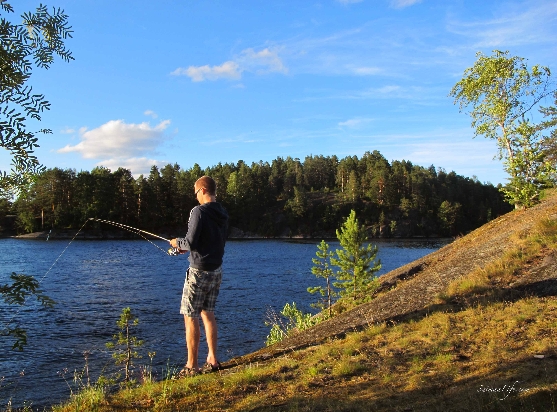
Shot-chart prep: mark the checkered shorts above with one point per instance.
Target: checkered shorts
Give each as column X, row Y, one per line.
column 201, row 290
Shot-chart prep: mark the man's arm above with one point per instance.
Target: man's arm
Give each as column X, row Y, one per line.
column 194, row 228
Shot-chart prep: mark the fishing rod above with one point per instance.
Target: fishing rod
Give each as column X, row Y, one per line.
column 172, row 251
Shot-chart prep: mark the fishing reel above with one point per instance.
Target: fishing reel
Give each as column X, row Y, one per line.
column 174, row 251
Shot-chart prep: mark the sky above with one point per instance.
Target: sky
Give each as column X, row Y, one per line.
column 204, row 82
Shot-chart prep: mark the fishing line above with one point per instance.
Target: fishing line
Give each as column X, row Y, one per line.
column 6, row 325
column 171, row 252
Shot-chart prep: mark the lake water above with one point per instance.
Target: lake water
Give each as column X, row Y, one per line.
column 92, row 281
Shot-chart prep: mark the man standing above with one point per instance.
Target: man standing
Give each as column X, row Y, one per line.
column 205, row 240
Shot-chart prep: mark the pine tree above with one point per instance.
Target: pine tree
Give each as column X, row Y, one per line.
column 356, row 261
column 125, row 342
column 322, row 269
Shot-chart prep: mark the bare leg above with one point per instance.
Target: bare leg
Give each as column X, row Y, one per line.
column 210, row 324
column 192, row 341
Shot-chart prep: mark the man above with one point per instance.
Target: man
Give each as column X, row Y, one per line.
column 205, row 240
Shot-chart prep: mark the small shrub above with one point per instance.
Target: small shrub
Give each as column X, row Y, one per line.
column 291, row 319
column 124, row 344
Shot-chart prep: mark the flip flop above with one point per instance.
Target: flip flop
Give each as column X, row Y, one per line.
column 208, row 368
column 186, row 372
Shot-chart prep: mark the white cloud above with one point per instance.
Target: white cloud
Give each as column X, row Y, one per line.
column 136, row 165
column 262, row 62
column 227, row 70
column 354, row 123
column 67, row 130
column 150, row 113
column 400, row 4
column 116, row 136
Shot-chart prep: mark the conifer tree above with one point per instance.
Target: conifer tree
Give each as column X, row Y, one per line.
column 322, row 269
column 124, row 344
column 356, row 261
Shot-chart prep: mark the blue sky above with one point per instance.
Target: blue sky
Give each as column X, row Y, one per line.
column 220, row 81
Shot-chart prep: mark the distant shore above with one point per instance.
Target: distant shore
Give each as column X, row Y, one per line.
column 235, row 234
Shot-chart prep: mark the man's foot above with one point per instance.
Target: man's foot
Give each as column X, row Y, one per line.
column 186, row 372
column 208, row 368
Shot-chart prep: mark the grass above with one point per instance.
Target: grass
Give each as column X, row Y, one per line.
column 528, row 247
column 476, row 351
column 447, row 361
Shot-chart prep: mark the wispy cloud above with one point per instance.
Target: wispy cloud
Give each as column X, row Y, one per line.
column 354, row 123
column 415, row 94
column 531, row 23
column 227, row 70
column 264, row 61
column 400, row 4
column 261, row 62
column 366, row 71
column 349, row 1
column 150, row 113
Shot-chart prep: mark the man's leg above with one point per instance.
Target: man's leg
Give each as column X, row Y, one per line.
column 210, row 325
column 192, row 341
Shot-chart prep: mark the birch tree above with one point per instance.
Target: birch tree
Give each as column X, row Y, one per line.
column 502, row 92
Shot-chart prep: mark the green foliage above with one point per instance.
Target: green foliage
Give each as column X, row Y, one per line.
column 530, row 169
column 448, row 215
column 322, row 269
column 124, row 344
column 297, row 205
column 34, row 42
column 17, row 293
column 356, row 261
column 502, row 91
column 291, row 319
column 262, row 198
column 549, row 143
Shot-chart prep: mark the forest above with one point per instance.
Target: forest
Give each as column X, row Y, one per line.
column 286, row 198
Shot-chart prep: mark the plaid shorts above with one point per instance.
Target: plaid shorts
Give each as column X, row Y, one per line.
column 201, row 290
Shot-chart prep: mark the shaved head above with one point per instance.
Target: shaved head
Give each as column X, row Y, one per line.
column 208, row 183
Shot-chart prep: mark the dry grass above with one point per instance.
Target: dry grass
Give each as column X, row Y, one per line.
column 481, row 358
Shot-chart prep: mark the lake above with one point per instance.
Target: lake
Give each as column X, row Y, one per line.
column 92, row 281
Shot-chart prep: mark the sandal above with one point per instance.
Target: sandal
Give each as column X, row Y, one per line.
column 186, row 372
column 208, row 368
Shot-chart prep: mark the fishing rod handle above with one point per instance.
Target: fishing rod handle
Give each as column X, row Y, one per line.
column 174, row 251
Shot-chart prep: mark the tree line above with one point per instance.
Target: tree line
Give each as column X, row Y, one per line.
column 287, row 197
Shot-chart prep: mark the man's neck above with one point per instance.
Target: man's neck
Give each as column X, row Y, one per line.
column 208, row 199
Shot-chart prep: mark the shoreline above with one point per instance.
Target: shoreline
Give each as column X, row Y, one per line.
column 109, row 235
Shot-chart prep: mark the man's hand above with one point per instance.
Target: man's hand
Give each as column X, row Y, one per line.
column 174, row 244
